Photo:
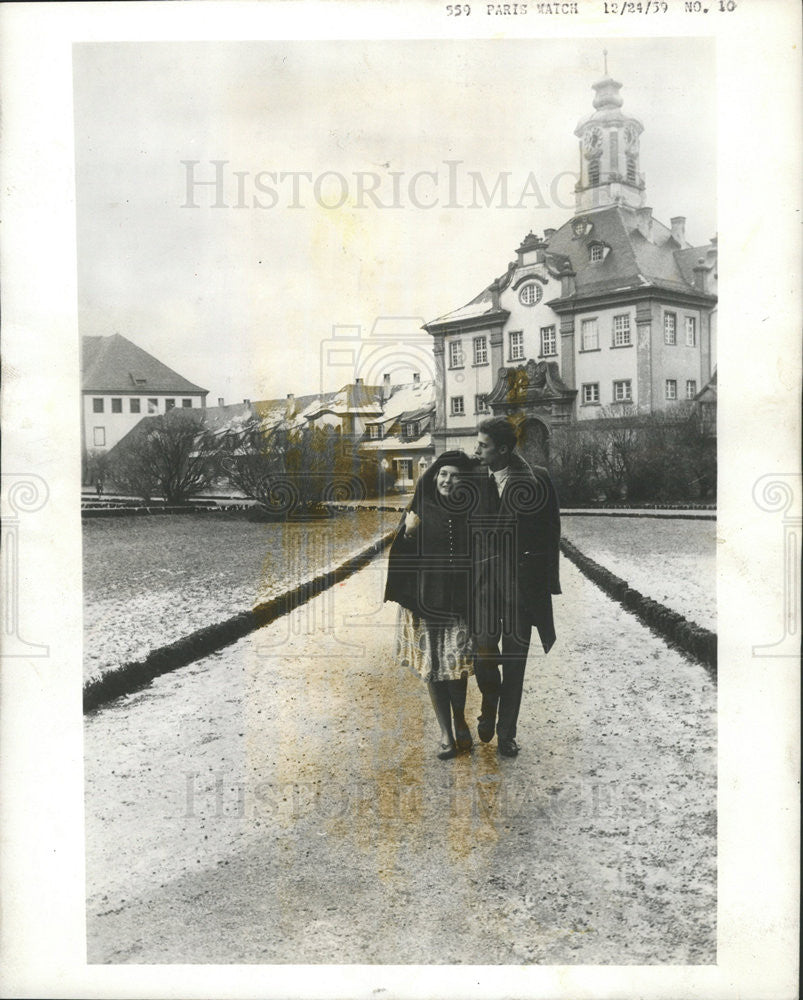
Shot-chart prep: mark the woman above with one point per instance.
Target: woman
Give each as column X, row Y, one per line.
column 428, row 576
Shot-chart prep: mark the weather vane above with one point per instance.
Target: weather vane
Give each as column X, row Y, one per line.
column 605, row 57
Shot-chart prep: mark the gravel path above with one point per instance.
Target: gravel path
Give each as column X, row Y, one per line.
column 281, row 802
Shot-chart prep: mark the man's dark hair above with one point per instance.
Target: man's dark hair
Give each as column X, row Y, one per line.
column 500, row 431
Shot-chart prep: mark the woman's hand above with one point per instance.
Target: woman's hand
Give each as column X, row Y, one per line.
column 411, row 522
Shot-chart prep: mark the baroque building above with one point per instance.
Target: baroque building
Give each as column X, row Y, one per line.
column 612, row 313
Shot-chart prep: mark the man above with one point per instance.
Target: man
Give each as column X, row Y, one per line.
column 517, row 544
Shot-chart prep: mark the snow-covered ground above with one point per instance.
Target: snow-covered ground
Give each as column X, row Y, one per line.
column 670, row 560
column 149, row 581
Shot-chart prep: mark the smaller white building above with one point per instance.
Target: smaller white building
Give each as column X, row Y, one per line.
column 121, row 384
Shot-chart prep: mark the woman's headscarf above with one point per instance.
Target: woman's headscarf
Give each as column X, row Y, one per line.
column 425, row 488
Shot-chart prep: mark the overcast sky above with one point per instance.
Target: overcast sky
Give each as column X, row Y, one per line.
column 240, row 299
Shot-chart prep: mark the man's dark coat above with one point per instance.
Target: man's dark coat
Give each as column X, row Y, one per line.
column 517, row 550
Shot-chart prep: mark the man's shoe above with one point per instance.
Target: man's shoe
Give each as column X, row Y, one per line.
column 485, row 729
column 508, row 748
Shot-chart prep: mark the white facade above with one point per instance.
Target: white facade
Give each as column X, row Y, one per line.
column 109, row 417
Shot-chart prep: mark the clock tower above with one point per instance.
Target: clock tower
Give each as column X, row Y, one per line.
column 609, row 153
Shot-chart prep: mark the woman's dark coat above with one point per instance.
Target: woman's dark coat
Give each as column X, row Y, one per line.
column 430, row 572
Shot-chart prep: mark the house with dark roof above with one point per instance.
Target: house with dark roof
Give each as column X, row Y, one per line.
column 121, row 383
column 612, row 312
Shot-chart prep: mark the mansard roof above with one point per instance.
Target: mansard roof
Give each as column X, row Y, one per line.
column 634, row 260
column 643, row 252
column 115, row 364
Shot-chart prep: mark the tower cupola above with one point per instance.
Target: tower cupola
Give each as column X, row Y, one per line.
column 609, row 152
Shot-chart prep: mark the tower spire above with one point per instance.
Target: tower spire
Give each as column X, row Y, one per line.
column 609, row 150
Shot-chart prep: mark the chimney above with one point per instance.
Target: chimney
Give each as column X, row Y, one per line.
column 644, row 216
column 416, row 378
column 358, row 381
column 290, row 397
column 220, row 401
column 549, row 233
column 246, row 402
column 679, row 229
column 700, row 271
column 385, row 387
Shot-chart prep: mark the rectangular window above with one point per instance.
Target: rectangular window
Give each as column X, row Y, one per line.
column 549, row 343
column 591, row 392
column 186, row 404
column 458, row 407
column 374, row 431
column 169, row 404
column 99, row 437
column 615, row 152
column 670, row 329
column 133, row 405
column 97, row 406
column 691, row 388
column 597, row 253
column 405, row 467
column 691, row 331
column 480, row 351
column 517, row 346
column 455, row 353
column 622, row 391
column 621, row 330
column 481, row 403
column 631, row 170
column 411, row 430
column 671, row 388
column 593, row 171
column 153, row 406
column 589, row 335
column 117, row 405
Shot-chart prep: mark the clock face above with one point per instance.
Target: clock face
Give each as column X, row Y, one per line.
column 592, row 140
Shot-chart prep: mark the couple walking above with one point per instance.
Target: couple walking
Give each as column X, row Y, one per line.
column 473, row 568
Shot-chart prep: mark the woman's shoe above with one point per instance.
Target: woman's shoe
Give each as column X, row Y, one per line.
column 463, row 739
column 447, row 751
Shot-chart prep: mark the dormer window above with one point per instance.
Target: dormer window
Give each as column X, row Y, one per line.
column 597, row 252
column 374, row 431
column 411, row 430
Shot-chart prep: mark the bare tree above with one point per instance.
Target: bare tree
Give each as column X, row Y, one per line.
column 288, row 469
column 173, row 456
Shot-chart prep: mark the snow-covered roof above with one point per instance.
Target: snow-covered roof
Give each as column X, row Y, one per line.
column 397, row 444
